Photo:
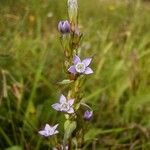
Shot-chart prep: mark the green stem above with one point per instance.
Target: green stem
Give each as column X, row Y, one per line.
column 70, row 143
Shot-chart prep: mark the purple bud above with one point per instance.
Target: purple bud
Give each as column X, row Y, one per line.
column 64, row 27
column 88, row 115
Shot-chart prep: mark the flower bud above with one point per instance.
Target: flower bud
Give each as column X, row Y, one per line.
column 64, row 27
column 77, row 36
column 73, row 11
column 88, row 115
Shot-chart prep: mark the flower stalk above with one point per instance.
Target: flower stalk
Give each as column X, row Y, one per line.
column 75, row 69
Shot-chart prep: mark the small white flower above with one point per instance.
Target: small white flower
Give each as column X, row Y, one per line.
column 48, row 130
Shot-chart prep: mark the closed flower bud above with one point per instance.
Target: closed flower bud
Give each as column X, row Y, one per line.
column 88, row 115
column 64, row 27
column 73, row 11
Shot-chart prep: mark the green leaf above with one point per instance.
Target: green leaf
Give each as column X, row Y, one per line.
column 6, row 137
column 93, row 133
column 136, row 103
column 16, row 147
column 69, row 127
column 66, row 81
column 85, row 105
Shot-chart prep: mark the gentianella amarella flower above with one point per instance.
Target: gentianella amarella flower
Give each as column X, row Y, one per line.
column 48, row 130
column 64, row 105
column 81, row 67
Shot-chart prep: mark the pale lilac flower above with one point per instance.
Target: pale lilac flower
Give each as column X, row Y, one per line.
column 81, row 66
column 64, row 105
column 48, row 130
column 64, row 27
column 88, row 115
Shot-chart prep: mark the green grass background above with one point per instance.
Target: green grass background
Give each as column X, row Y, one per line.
column 116, row 32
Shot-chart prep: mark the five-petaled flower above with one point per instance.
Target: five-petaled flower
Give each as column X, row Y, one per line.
column 88, row 115
column 64, row 27
column 48, row 130
column 81, row 66
column 64, row 105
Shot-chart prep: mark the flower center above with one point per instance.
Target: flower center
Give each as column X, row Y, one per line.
column 80, row 67
column 65, row 106
column 50, row 132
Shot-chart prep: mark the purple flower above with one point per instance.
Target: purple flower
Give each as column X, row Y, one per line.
column 88, row 115
column 81, row 66
column 48, row 130
column 64, row 27
column 64, row 105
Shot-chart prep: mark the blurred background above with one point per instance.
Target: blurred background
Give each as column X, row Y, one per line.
column 117, row 32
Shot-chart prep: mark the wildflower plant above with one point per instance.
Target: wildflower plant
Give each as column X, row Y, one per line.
column 72, row 105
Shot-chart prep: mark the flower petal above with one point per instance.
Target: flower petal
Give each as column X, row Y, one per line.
column 72, row 69
column 44, row 133
column 47, row 127
column 76, row 59
column 62, row 99
column 54, row 127
column 87, row 61
column 70, row 111
column 56, row 106
column 56, row 132
column 70, row 102
column 88, row 70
